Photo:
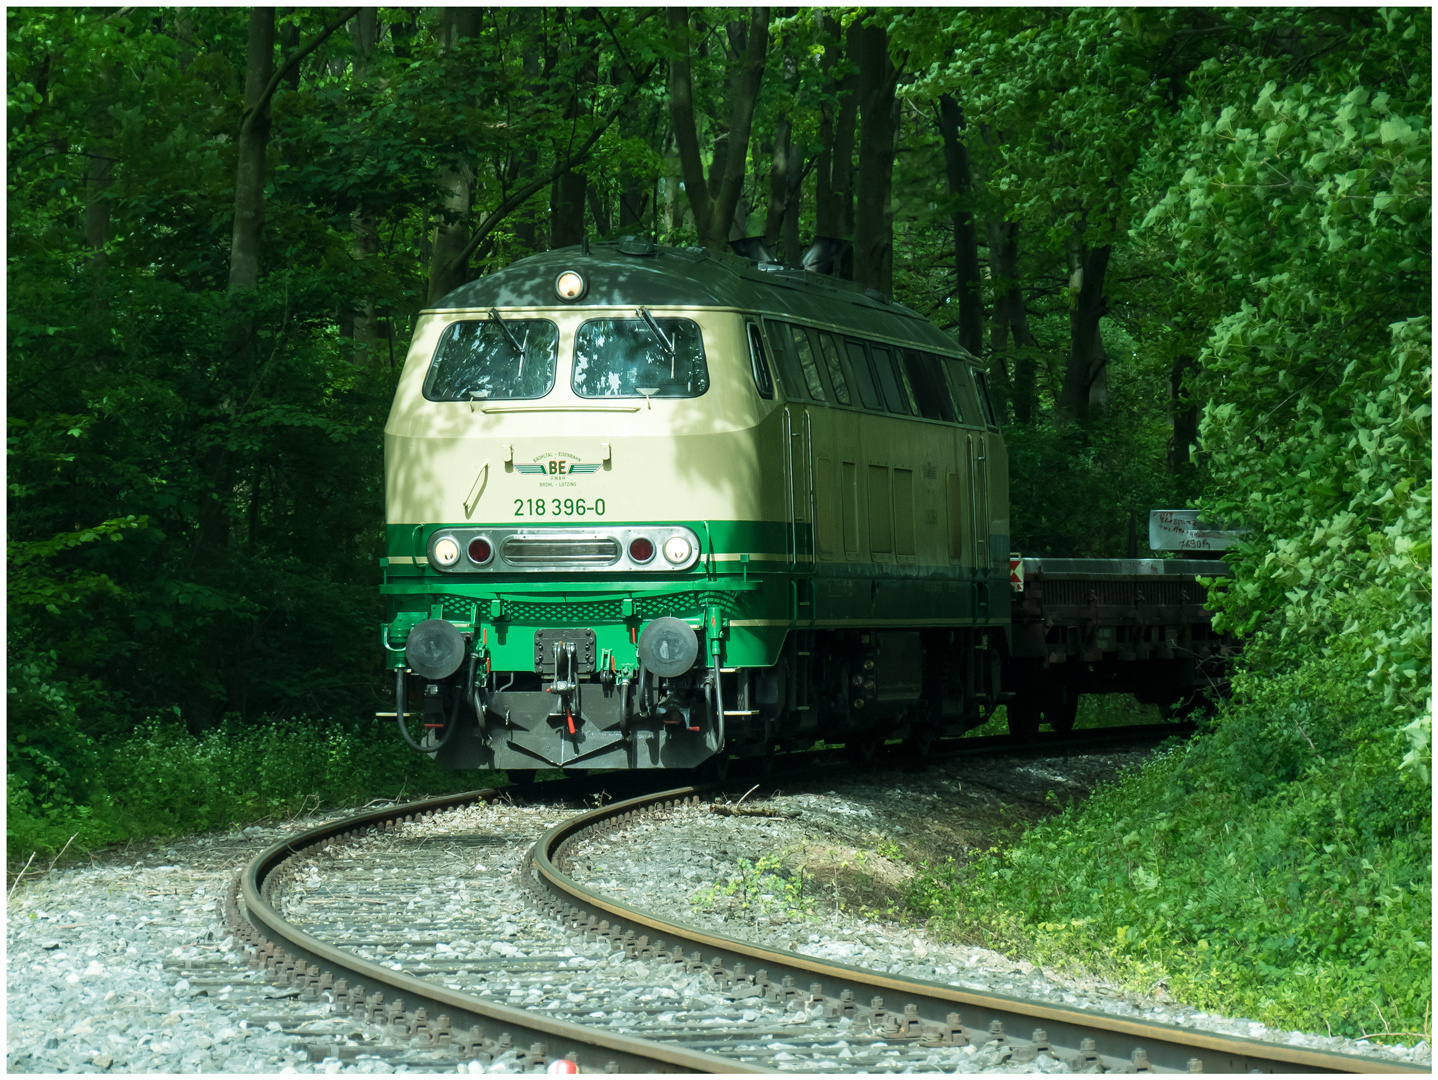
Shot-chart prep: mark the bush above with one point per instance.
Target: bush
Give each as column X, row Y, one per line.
column 1278, row 866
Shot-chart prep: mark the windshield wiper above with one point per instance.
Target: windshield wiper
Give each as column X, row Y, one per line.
column 519, row 346
column 668, row 343
column 494, row 314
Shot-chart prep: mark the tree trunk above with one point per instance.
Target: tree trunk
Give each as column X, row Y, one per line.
column 873, row 230
column 966, row 238
column 364, row 34
column 566, row 210
column 675, row 207
column 99, row 167
column 448, row 268
column 185, row 38
column 526, row 226
column 634, row 193
column 789, row 242
column 598, row 209
column 1184, row 411
column 250, row 168
column 289, row 42
column 681, row 114
column 1011, row 321
column 715, row 199
column 260, row 84
column 566, row 217
column 1086, row 357
column 781, row 156
column 834, row 187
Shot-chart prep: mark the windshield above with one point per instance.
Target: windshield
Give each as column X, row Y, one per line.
column 622, row 357
column 482, row 359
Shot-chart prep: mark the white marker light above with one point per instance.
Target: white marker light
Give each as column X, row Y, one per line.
column 570, row 285
column 676, row 549
column 446, row 551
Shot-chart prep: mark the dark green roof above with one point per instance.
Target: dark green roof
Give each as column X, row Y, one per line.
column 695, row 277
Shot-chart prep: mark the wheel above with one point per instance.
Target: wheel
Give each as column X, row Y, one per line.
column 1023, row 716
column 864, row 750
column 1062, row 709
column 765, row 762
column 920, row 744
column 715, row 769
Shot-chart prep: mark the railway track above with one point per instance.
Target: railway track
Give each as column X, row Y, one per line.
column 400, row 928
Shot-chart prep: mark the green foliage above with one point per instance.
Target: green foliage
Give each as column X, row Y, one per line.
column 1277, row 867
column 1299, row 221
column 761, row 886
column 1066, row 99
column 162, row 781
column 1072, row 489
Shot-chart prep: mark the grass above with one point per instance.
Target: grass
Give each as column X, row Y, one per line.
column 1094, row 711
column 1277, row 866
column 163, row 782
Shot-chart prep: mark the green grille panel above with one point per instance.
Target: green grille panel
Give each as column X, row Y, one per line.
column 566, row 614
column 458, row 609
column 590, row 612
column 584, row 613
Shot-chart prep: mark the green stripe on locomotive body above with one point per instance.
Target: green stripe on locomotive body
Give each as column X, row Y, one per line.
column 760, row 598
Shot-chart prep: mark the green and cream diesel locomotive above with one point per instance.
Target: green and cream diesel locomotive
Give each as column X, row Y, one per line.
column 650, row 506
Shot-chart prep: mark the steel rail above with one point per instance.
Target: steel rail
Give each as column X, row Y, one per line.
column 594, row 1049
column 1117, row 1043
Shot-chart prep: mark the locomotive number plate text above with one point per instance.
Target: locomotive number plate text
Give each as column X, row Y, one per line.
column 559, row 507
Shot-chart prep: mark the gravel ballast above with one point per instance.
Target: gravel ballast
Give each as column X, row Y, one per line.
column 96, row 953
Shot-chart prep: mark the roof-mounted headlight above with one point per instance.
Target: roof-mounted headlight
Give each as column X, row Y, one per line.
column 570, row 286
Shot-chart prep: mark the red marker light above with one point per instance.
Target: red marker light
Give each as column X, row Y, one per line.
column 480, row 551
column 641, row 549
column 563, row 1065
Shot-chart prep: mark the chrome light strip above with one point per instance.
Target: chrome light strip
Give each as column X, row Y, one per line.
column 532, row 550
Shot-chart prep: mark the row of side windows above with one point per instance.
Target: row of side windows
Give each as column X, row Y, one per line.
column 833, row 369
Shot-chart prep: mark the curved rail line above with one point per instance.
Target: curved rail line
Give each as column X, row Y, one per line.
column 297, row 957
column 940, row 1014
column 928, row 1010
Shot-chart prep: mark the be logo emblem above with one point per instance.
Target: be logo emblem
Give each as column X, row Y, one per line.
column 556, row 466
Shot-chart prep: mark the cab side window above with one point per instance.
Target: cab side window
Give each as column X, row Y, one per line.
column 863, row 375
column 835, row 366
column 758, row 364
column 785, row 360
column 896, row 394
column 984, row 398
column 964, row 394
column 807, row 363
column 928, row 385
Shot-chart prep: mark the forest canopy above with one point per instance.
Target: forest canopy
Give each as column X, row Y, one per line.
column 1191, row 247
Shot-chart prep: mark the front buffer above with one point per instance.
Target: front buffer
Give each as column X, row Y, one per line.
column 549, row 670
